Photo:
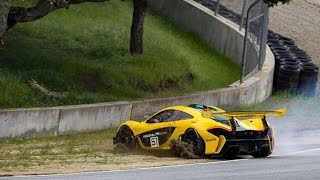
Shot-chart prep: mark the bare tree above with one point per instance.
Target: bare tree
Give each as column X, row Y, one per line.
column 41, row 9
column 136, row 41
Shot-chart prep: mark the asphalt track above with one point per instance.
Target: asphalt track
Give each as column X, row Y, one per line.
column 302, row 164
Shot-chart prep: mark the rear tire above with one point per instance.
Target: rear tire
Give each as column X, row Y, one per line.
column 262, row 153
column 195, row 141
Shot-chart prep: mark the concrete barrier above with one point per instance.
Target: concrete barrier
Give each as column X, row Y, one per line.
column 29, row 122
column 220, row 33
column 93, row 117
column 194, row 17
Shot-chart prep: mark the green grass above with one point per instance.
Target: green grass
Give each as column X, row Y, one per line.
column 82, row 53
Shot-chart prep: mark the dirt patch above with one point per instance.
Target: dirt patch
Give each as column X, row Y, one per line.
column 183, row 150
column 167, row 83
column 78, row 153
column 103, row 161
column 90, row 81
column 179, row 82
column 143, row 85
column 91, row 164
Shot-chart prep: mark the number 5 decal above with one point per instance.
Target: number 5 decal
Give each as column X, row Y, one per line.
column 154, row 141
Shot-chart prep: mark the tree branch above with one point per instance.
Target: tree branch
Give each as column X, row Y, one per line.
column 42, row 8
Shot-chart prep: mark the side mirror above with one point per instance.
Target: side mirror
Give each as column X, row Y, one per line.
column 147, row 116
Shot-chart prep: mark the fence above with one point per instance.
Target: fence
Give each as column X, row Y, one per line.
column 251, row 15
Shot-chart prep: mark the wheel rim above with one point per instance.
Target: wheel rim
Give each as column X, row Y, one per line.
column 194, row 140
column 125, row 136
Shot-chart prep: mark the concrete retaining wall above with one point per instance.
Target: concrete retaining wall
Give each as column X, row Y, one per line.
column 220, row 33
column 67, row 119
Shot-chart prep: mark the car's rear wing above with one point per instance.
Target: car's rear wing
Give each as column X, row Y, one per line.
column 260, row 114
column 278, row 113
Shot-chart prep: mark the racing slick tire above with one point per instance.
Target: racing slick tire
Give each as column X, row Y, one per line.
column 194, row 139
column 125, row 136
column 263, row 152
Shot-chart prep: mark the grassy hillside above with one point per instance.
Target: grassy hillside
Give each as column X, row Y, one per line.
column 82, row 53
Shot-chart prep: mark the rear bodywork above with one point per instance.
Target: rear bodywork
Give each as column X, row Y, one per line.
column 223, row 133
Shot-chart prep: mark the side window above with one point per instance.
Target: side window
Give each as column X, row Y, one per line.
column 177, row 115
column 169, row 115
column 183, row 116
column 163, row 116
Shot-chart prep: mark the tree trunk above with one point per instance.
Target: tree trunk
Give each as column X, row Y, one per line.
column 136, row 41
column 4, row 11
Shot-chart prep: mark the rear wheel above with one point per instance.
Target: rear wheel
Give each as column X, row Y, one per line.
column 195, row 141
column 125, row 136
column 267, row 148
column 263, row 152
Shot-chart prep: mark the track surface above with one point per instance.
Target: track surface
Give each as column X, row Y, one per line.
column 304, row 164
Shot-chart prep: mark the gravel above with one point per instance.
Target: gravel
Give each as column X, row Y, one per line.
column 298, row 20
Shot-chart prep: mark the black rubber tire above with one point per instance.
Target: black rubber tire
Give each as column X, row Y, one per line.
column 303, row 61
column 289, row 70
column 287, row 85
column 289, row 58
column 280, row 52
column 274, row 44
column 274, row 40
column 291, row 63
column 309, row 75
column 291, row 47
column 308, row 67
column 285, row 39
column 277, row 47
column 308, row 64
column 299, row 53
column 264, row 152
column 194, row 139
column 125, row 136
column 286, row 42
column 285, row 78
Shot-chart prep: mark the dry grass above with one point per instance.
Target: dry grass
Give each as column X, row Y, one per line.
column 76, row 153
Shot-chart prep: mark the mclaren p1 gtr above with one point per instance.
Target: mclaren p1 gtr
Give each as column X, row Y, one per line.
column 209, row 130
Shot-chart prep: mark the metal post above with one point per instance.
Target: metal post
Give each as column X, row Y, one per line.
column 217, row 7
column 262, row 11
column 244, row 54
column 264, row 36
column 243, row 14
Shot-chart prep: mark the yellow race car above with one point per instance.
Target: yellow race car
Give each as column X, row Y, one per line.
column 210, row 131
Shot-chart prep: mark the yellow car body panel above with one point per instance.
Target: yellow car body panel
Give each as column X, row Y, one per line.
column 200, row 120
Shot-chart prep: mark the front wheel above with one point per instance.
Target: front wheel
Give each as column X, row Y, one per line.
column 125, row 136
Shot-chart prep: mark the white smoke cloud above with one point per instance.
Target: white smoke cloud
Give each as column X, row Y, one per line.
column 300, row 128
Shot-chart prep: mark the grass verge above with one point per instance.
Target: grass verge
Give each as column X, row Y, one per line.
column 80, row 152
